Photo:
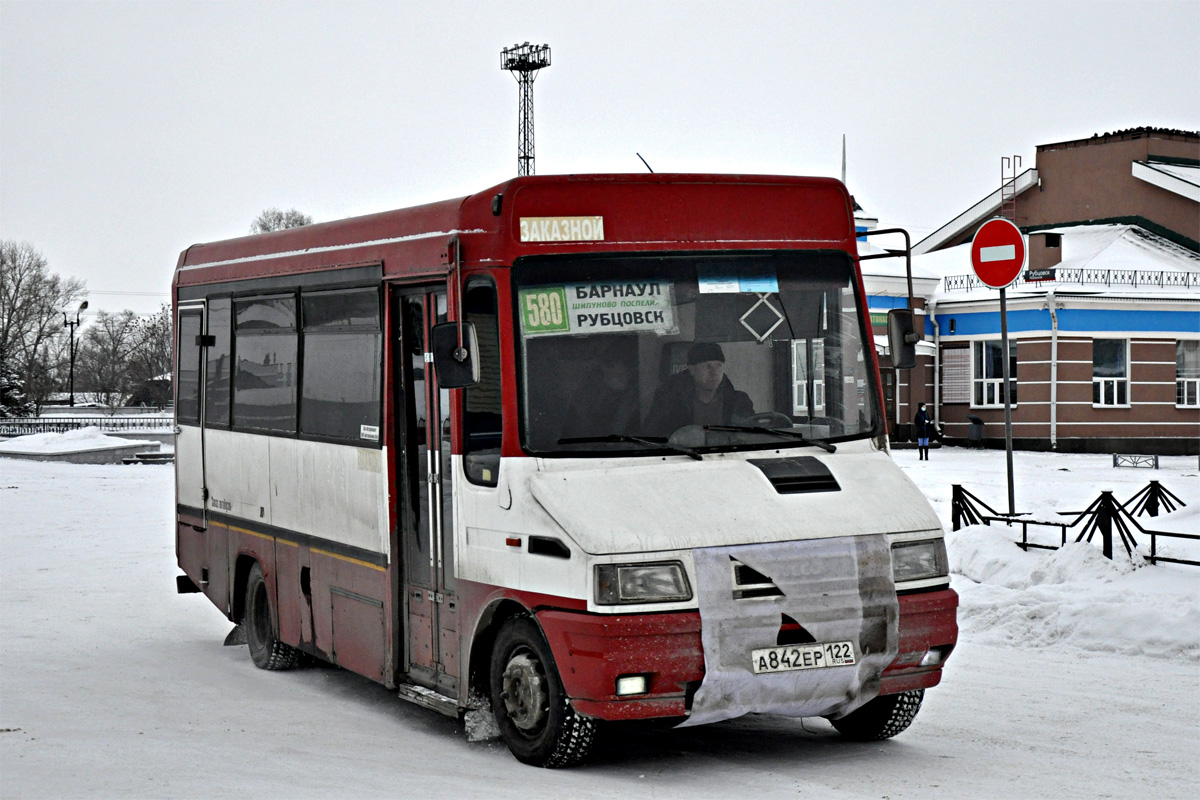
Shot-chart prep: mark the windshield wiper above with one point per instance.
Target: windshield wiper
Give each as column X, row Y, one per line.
column 661, row 444
column 826, row 446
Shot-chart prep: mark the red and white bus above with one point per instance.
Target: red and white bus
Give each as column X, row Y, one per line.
column 572, row 449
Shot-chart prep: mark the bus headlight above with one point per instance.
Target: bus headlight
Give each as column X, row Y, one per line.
column 624, row 584
column 915, row 561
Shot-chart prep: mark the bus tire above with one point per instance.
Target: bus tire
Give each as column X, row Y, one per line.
column 881, row 718
column 535, row 718
column 266, row 651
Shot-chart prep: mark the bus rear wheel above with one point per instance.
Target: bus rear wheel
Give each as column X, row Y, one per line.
column 535, row 718
column 266, row 651
column 881, row 718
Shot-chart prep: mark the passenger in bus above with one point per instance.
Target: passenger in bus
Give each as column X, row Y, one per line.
column 701, row 394
column 607, row 399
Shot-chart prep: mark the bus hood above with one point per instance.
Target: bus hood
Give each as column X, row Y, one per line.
column 716, row 502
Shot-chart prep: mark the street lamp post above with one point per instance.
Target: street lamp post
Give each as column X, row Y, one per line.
column 67, row 323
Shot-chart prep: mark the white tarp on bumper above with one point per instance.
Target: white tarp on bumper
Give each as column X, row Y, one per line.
column 838, row 589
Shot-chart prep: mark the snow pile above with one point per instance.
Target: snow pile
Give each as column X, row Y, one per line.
column 1072, row 596
column 75, row 441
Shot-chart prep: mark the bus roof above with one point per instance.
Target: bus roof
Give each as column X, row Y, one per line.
column 621, row 212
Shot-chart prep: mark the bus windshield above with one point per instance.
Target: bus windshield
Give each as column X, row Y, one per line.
column 649, row 355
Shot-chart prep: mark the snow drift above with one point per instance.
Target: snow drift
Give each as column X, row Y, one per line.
column 1072, row 596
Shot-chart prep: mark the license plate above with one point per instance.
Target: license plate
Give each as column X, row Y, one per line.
column 802, row 656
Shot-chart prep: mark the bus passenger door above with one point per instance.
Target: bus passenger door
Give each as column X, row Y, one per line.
column 427, row 529
column 191, row 489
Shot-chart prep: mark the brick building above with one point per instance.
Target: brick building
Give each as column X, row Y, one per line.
column 1104, row 326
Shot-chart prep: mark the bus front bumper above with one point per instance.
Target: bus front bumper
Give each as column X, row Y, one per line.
column 593, row 651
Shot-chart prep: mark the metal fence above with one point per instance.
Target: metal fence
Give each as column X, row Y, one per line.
column 1164, row 279
column 1105, row 516
column 19, row 426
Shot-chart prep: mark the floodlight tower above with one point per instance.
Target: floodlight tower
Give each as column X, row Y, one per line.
column 524, row 61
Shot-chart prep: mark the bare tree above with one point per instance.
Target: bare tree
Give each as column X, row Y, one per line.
column 102, row 363
column 272, row 219
column 150, row 360
column 32, row 301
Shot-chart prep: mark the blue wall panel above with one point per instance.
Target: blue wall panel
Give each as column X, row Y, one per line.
column 987, row 323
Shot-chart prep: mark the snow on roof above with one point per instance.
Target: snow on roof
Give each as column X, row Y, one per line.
column 890, row 267
column 1102, row 258
column 975, row 214
column 1181, row 179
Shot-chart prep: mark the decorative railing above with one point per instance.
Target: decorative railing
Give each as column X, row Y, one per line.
column 1164, row 279
column 19, row 426
column 1105, row 516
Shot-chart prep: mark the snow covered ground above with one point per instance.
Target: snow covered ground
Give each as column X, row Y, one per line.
column 1074, row 677
column 76, row 441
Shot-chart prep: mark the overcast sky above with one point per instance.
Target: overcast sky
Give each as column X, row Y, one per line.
column 130, row 130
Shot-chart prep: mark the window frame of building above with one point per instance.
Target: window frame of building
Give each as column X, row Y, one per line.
column 984, row 385
column 1187, row 375
column 808, row 370
column 1119, row 384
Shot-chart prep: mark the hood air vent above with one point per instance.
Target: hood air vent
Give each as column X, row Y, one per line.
column 797, row 475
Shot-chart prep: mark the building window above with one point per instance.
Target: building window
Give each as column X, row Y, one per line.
column 956, row 375
column 1053, row 240
column 1187, row 374
column 1110, row 372
column 808, row 377
column 987, row 373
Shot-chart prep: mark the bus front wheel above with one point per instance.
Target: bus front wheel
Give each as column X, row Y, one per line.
column 535, row 718
column 881, row 718
column 266, row 651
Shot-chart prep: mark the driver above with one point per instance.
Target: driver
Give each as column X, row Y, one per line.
column 701, row 394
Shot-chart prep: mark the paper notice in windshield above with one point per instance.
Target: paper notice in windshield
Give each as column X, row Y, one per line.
column 736, row 280
column 616, row 307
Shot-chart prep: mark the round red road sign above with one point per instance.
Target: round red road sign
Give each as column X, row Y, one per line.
column 998, row 253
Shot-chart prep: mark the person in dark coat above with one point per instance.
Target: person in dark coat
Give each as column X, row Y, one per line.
column 922, row 426
column 701, row 394
column 608, row 400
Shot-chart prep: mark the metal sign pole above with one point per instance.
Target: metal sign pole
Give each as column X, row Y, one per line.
column 1007, row 399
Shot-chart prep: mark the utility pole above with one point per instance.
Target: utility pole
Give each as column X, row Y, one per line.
column 524, row 61
column 68, row 323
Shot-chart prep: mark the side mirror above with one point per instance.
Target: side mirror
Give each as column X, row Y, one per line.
column 456, row 367
column 902, row 338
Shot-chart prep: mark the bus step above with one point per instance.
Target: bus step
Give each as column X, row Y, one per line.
column 428, row 698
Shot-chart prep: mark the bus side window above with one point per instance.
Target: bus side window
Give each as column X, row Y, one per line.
column 265, row 377
column 217, row 376
column 482, row 416
column 187, row 404
column 343, row 348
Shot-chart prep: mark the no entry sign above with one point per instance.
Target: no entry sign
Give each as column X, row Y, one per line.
column 998, row 253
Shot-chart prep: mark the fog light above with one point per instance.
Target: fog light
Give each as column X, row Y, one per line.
column 631, row 684
column 935, row 656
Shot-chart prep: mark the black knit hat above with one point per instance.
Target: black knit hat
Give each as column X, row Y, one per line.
column 705, row 351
